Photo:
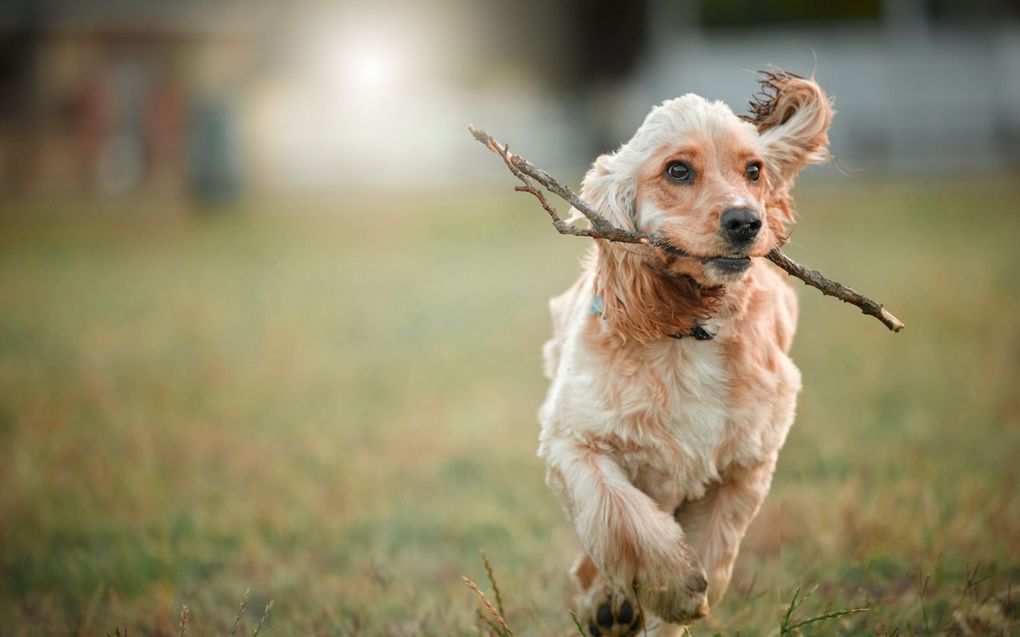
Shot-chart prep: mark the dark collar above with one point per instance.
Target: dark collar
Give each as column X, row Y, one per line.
column 698, row 332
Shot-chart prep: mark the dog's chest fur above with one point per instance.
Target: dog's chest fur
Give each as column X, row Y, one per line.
column 673, row 444
column 677, row 414
column 670, row 445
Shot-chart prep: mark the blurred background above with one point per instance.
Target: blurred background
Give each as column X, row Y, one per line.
column 215, row 99
column 270, row 319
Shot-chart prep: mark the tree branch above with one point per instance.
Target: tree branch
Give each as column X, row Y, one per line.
column 601, row 228
column 835, row 289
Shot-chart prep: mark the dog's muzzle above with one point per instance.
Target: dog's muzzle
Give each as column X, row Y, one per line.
column 728, row 265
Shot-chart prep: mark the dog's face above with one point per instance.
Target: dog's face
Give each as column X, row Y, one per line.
column 705, row 193
column 711, row 183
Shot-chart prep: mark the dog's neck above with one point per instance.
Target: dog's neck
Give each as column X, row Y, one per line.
column 642, row 301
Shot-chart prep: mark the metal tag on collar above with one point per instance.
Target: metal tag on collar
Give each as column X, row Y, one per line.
column 597, row 307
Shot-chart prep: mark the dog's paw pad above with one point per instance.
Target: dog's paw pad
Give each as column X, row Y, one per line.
column 615, row 620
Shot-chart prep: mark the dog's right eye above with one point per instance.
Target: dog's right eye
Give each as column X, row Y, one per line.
column 679, row 172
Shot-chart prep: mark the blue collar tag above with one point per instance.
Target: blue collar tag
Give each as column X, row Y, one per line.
column 596, row 306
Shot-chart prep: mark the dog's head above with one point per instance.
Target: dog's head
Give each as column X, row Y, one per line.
column 714, row 184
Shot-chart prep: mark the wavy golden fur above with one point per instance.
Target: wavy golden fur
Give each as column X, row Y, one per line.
column 663, row 448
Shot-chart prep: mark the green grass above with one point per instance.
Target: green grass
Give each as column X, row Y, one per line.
column 333, row 404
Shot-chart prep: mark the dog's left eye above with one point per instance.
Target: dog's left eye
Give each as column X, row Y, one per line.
column 753, row 171
column 679, row 172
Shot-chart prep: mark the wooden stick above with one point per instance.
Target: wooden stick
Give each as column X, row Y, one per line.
column 601, row 228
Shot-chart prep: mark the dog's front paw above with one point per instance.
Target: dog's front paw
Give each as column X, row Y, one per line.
column 605, row 612
column 678, row 594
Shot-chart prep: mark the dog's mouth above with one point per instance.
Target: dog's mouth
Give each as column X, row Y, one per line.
column 728, row 265
column 722, row 265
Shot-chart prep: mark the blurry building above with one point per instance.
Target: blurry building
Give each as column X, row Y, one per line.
column 117, row 97
column 918, row 84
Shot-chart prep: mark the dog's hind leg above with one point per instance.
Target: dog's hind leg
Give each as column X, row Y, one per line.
column 716, row 523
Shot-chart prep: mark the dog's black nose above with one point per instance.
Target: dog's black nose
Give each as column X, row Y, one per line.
column 740, row 225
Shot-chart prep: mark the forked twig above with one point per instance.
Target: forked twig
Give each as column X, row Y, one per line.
column 601, row 228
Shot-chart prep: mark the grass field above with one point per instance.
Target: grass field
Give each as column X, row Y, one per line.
column 333, row 404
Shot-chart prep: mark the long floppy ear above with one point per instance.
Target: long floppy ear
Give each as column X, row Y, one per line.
column 610, row 193
column 792, row 115
column 637, row 302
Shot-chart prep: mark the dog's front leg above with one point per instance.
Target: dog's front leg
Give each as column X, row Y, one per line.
column 716, row 523
column 632, row 541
